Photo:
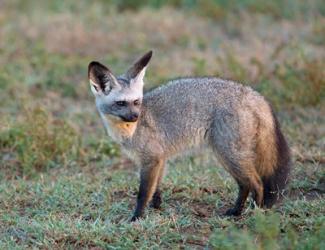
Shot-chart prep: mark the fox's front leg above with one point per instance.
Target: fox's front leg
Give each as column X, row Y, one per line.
column 156, row 199
column 150, row 174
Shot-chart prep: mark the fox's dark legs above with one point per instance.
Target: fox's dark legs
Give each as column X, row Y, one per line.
column 148, row 185
column 156, row 199
column 240, row 202
column 257, row 192
column 255, row 186
column 244, row 172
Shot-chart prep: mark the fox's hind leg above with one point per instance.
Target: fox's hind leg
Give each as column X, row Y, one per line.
column 248, row 181
column 232, row 139
column 240, row 202
column 257, row 191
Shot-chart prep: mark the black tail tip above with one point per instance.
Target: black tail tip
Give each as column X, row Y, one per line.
column 274, row 185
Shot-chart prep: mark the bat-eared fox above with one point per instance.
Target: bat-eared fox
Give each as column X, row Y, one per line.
column 233, row 120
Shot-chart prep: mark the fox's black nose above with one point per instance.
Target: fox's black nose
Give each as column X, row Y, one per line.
column 131, row 118
column 134, row 117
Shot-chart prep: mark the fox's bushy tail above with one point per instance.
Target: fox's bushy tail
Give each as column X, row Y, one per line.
column 275, row 183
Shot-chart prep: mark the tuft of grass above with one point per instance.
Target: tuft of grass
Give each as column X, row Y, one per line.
column 266, row 231
column 298, row 80
column 231, row 68
column 301, row 82
column 219, row 9
column 216, row 9
column 39, row 141
column 305, row 84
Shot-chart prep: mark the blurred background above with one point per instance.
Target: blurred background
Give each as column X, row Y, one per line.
column 49, row 128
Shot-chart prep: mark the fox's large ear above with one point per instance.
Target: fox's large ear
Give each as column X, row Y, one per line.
column 136, row 73
column 101, row 78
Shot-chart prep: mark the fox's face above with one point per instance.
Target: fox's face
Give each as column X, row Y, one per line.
column 118, row 99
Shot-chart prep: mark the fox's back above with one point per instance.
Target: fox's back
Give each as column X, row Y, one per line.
column 181, row 112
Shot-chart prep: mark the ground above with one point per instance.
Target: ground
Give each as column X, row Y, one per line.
column 65, row 184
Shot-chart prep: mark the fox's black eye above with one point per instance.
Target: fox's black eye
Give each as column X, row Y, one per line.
column 136, row 102
column 121, row 103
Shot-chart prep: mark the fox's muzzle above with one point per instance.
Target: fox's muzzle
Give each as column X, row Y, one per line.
column 130, row 118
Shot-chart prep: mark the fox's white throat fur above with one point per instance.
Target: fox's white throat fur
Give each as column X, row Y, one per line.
column 118, row 130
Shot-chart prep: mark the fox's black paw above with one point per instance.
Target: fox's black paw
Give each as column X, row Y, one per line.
column 134, row 218
column 233, row 212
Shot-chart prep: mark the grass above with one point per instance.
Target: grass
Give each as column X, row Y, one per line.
column 65, row 184
column 91, row 207
column 38, row 141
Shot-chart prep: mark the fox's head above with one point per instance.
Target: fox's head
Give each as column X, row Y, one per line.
column 118, row 98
